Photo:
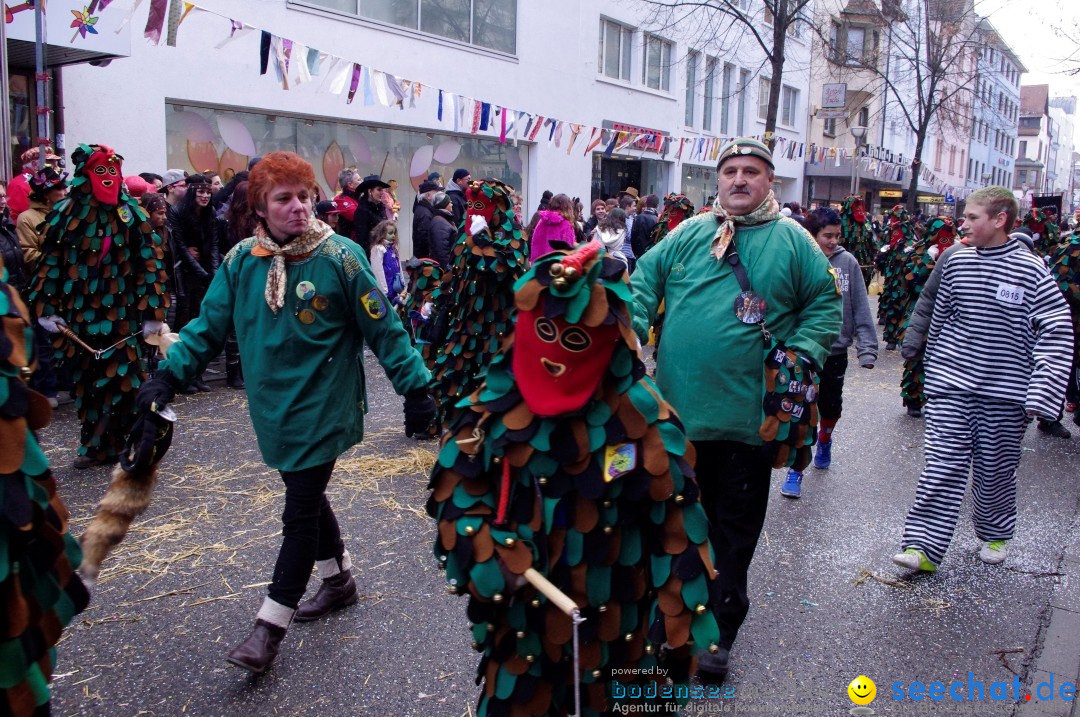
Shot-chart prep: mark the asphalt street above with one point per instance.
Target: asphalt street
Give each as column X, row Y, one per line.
column 827, row 603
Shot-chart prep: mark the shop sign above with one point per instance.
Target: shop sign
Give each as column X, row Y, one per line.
column 930, row 199
column 890, row 193
column 834, row 94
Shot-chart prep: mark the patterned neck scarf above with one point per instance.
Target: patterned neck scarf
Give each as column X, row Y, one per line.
column 767, row 211
column 298, row 248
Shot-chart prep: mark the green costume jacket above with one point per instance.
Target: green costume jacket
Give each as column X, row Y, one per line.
column 303, row 365
column 711, row 365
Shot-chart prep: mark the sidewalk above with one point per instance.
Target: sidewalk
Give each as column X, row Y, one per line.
column 1058, row 652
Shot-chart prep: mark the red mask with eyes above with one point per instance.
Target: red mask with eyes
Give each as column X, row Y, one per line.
column 103, row 169
column 478, row 203
column 675, row 217
column 859, row 211
column 558, row 365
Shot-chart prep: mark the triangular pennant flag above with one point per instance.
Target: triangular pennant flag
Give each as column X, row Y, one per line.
column 354, row 83
column 155, row 21
column 337, row 75
column 575, row 131
column 594, row 140
column 369, row 92
column 188, row 7
column 265, row 41
column 127, row 17
column 237, row 30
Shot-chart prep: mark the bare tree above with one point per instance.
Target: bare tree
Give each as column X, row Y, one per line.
column 723, row 25
column 928, row 68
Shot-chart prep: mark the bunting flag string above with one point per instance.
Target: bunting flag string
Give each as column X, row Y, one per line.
column 297, row 64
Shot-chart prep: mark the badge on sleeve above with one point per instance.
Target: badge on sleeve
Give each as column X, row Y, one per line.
column 373, row 304
column 124, row 213
column 619, row 460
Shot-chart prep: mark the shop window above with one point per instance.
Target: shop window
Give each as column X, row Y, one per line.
column 615, row 45
column 656, row 68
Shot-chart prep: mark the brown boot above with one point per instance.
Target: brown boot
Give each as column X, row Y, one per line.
column 335, row 593
column 259, row 649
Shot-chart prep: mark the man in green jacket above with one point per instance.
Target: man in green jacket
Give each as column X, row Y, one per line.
column 711, row 364
column 303, row 301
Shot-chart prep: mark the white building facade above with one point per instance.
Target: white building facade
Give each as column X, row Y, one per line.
column 995, row 108
column 526, row 88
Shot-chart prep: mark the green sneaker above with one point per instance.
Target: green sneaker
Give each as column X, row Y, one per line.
column 993, row 552
column 913, row 559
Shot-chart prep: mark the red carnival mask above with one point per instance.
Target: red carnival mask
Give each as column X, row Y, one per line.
column 103, row 169
column 478, row 203
column 675, row 217
column 858, row 211
column 558, row 365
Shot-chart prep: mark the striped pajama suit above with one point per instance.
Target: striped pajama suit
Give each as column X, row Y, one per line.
column 966, row 435
column 999, row 345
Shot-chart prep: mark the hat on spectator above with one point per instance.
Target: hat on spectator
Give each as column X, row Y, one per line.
column 171, row 177
column 346, row 206
column 745, row 147
column 461, row 173
column 429, row 186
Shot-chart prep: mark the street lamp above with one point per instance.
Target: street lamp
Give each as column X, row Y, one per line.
column 858, row 132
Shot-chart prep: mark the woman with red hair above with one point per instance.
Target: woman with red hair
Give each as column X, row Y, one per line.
column 303, row 302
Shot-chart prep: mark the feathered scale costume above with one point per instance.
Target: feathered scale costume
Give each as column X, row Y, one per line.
column 900, row 237
column 39, row 590
column 940, row 234
column 676, row 208
column 1044, row 231
column 567, row 460
column 102, row 271
column 425, row 288
column 478, row 294
column 1065, row 268
column 857, row 236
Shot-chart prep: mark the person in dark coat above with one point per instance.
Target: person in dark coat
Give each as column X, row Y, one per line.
column 644, row 223
column 421, row 223
column 456, row 191
column 370, row 210
column 443, row 229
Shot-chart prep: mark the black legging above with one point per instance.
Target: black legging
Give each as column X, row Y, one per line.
column 309, row 532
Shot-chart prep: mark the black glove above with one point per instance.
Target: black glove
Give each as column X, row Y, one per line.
column 156, row 393
column 419, row 412
column 149, row 440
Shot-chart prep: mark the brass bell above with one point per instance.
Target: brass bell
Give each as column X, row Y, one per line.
column 649, row 649
column 570, row 273
column 556, row 269
column 608, row 530
column 607, row 503
column 509, row 542
column 535, row 602
column 542, row 480
column 497, row 598
column 700, row 609
column 497, row 460
column 714, row 648
column 520, row 634
column 476, row 646
column 560, row 283
column 680, row 498
column 602, row 608
column 469, row 530
column 597, row 674
column 629, row 637
column 491, row 627
column 530, row 659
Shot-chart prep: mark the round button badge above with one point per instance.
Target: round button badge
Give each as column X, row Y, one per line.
column 307, row 316
column 305, row 290
column 319, row 303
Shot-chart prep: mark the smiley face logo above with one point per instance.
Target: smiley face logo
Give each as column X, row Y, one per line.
column 862, row 690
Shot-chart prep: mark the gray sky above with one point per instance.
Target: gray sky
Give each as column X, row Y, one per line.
column 1031, row 29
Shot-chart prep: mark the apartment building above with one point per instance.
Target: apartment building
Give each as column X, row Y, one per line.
column 995, row 112
column 1033, row 144
column 1062, row 143
column 567, row 67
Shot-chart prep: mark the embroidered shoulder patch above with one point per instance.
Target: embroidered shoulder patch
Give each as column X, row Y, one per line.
column 336, row 250
column 124, row 213
column 374, row 305
column 244, row 245
column 619, row 460
column 836, row 279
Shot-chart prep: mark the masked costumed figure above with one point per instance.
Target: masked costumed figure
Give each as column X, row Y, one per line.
column 39, row 590
column 899, row 238
column 676, row 208
column 425, row 287
column 857, row 235
column 101, row 281
column 1044, row 231
column 1065, row 268
column 476, row 304
column 567, row 461
column 940, row 234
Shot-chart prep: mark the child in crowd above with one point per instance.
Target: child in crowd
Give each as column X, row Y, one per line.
column 385, row 262
column 824, row 225
column 998, row 351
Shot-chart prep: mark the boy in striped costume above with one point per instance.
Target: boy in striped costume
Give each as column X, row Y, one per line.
column 998, row 351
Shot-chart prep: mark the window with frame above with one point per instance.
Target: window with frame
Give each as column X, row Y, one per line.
column 864, row 117
column 789, row 105
column 710, row 93
column 691, row 85
column 725, row 97
column 830, row 127
column 763, row 97
column 856, row 40
column 656, row 68
column 485, row 23
column 616, row 44
column 740, row 122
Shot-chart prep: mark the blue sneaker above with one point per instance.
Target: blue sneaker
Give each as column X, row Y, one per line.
column 823, row 456
column 792, row 487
